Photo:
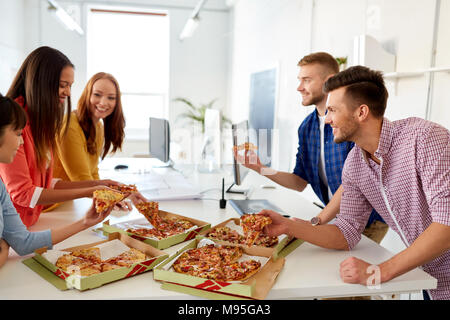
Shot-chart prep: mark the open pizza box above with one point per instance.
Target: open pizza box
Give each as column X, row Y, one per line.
column 43, row 263
column 255, row 287
column 159, row 244
column 234, row 224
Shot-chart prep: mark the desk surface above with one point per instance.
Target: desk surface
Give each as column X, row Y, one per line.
column 309, row 271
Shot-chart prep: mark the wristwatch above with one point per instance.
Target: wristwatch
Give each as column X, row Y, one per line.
column 315, row 221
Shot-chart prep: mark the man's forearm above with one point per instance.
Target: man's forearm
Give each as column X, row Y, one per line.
column 285, row 179
column 325, row 236
column 433, row 242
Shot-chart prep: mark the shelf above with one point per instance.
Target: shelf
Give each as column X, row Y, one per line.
column 418, row 73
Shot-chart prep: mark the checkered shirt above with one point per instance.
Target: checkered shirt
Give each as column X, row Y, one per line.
column 308, row 157
column 413, row 179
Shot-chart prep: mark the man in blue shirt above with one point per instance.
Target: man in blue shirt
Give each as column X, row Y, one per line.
column 319, row 159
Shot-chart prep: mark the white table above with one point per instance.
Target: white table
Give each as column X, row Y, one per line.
column 309, row 271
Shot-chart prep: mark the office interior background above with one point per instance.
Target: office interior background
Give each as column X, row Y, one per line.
column 138, row 41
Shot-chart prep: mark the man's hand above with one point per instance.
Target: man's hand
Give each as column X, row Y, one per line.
column 137, row 197
column 249, row 160
column 354, row 270
column 279, row 223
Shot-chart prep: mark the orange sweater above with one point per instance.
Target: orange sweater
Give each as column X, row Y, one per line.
column 23, row 180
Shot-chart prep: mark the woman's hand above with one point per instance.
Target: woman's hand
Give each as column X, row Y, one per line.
column 107, row 182
column 91, row 217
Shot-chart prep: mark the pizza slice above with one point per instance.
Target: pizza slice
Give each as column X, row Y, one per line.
column 105, row 199
column 247, row 146
column 150, row 210
column 253, row 225
column 125, row 188
column 225, row 234
column 91, row 254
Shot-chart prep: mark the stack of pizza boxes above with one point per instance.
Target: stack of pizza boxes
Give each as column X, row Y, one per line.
column 44, row 261
column 256, row 287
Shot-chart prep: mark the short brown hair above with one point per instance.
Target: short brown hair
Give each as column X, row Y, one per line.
column 363, row 86
column 322, row 58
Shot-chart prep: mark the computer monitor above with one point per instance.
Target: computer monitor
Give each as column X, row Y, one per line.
column 240, row 136
column 263, row 85
column 159, row 139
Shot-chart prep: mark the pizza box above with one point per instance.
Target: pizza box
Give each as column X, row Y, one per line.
column 63, row 280
column 163, row 243
column 255, row 287
column 234, row 223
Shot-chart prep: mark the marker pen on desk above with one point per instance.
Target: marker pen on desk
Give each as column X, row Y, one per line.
column 223, row 202
column 319, row 205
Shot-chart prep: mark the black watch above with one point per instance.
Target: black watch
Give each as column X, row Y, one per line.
column 315, row 221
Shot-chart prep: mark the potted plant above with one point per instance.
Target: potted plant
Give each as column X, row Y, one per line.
column 197, row 113
column 342, row 62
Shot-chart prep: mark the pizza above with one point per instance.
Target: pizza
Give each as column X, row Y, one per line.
column 163, row 228
column 105, row 199
column 227, row 234
column 246, row 146
column 125, row 188
column 264, row 240
column 216, row 263
column 253, row 225
column 92, row 254
column 86, row 262
column 147, row 233
column 150, row 210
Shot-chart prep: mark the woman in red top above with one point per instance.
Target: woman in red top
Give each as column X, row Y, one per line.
column 42, row 87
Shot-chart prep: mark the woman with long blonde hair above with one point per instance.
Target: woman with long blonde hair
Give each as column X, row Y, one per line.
column 95, row 129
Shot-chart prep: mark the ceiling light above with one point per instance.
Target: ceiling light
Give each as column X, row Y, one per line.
column 64, row 17
column 192, row 22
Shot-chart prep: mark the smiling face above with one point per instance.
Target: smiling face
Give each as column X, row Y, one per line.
column 65, row 83
column 103, row 99
column 10, row 142
column 311, row 77
column 341, row 117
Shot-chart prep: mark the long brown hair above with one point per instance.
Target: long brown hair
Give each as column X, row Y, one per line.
column 37, row 81
column 114, row 124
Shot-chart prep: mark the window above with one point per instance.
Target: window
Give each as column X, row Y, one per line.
column 133, row 46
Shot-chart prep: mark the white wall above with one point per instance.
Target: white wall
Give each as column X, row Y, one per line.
column 286, row 30
column 198, row 65
column 11, row 41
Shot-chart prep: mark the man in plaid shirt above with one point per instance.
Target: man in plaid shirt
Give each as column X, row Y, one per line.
column 399, row 168
column 319, row 159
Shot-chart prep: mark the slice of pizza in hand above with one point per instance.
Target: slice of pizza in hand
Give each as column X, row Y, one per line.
column 247, row 146
column 105, row 199
column 125, row 188
column 253, row 225
column 150, row 210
